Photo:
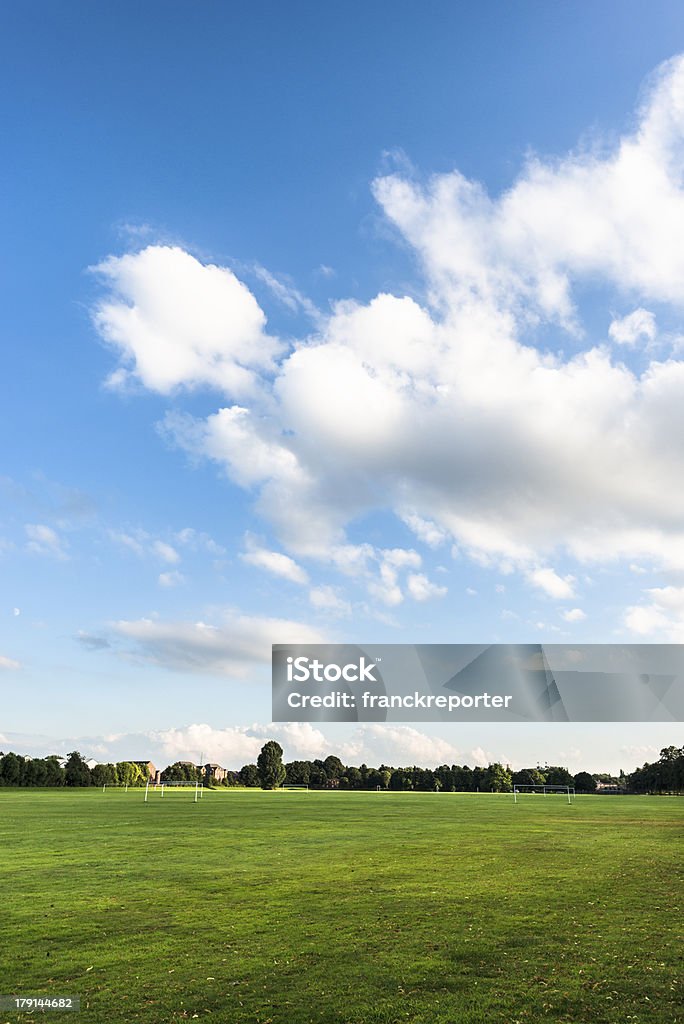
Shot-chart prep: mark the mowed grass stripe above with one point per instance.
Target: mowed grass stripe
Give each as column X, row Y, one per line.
column 353, row 908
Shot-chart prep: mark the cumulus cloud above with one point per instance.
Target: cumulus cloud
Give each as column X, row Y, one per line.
column 574, row 615
column 425, row 530
column 165, row 552
column 552, row 584
column 43, row 540
column 171, row 579
column 230, row 648
column 449, row 407
column 329, row 600
column 142, row 544
column 176, row 322
column 8, row 664
column 398, row 745
column 421, row 589
column 630, row 329
column 197, row 540
column 660, row 616
column 238, row 745
column 274, row 562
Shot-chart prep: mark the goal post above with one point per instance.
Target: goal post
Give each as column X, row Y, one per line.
column 521, row 790
column 195, row 787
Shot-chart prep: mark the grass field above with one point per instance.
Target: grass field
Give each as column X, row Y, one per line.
column 359, row 908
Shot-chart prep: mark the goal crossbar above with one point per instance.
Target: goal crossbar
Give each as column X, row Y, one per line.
column 540, row 787
column 196, row 788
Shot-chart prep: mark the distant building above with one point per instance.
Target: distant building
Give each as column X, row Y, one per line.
column 91, row 762
column 215, row 772
column 149, row 768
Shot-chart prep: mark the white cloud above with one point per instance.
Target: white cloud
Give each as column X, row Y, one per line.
column 8, row 664
column 425, row 530
column 231, row 648
column 551, row 583
column 165, row 552
column 197, row 540
column 630, row 329
column 386, row 588
column 176, row 322
column 43, row 540
column 422, row 589
column 274, row 562
column 574, row 615
column 235, row 746
column 661, row 617
column 230, row 746
column 16, row 612
column 287, row 293
column 126, row 540
column 398, row 745
column 142, row 544
column 446, row 407
column 401, row 558
column 328, row 599
column 171, row 579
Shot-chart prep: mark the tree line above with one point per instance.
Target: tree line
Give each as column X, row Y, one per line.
column 663, row 776
column 16, row 770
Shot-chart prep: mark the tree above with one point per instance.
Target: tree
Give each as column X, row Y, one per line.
column 498, row 778
column 35, row 772
column 104, row 775
column 529, row 777
column 556, row 776
column 585, row 783
column 129, row 774
column 181, row 771
column 333, row 767
column 270, row 765
column 298, row 773
column 76, row 772
column 248, row 775
column 54, row 773
column 11, row 770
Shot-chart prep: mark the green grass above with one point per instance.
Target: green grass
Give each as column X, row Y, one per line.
column 359, row 908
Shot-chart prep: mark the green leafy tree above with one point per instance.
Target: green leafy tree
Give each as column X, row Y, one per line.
column 129, row 774
column 76, row 772
column 498, row 779
column 249, row 775
column 180, row 771
column 54, row 773
column 529, row 777
column 10, row 769
column 35, row 772
column 585, row 783
column 557, row 776
column 105, row 775
column 270, row 765
column 298, row 773
column 333, row 767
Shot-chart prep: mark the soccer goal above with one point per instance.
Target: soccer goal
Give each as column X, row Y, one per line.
column 521, row 790
column 194, row 787
column 295, row 789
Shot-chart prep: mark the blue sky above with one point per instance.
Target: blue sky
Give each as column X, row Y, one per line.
column 342, row 321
